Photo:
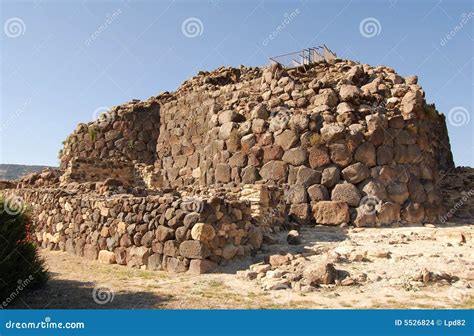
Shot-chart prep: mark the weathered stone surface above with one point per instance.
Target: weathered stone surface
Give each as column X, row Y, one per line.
column 349, row 92
column 278, row 260
column 330, row 176
column 413, row 213
column 274, row 170
column 365, row 153
column 320, row 274
column 91, row 252
column 154, row 262
column 164, row 233
column 223, row 173
column 412, row 102
column 287, row 139
column 106, row 257
column 203, row 232
column 300, row 212
column 388, row 213
column 398, row 192
column 307, row 176
column 295, row 156
column 193, row 249
column 229, row 251
column 137, row 256
column 318, row 192
column 340, row 154
column 326, row 97
column 356, row 172
column 250, row 175
column 384, row 155
column 318, row 157
column 346, row 192
column 330, row 212
column 198, row 266
column 332, row 133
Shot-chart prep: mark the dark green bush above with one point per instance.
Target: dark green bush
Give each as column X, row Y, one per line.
column 20, row 266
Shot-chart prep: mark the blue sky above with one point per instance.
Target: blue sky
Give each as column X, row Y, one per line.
column 62, row 61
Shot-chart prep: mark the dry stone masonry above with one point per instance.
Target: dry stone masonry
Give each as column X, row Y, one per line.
column 196, row 177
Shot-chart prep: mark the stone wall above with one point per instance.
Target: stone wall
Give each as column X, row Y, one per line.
column 95, row 170
column 349, row 143
column 170, row 231
column 127, row 132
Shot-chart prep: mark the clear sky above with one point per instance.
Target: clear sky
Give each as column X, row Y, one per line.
column 62, row 62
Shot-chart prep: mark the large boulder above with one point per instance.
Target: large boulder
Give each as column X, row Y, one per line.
column 274, row 170
column 193, row 249
column 295, row 156
column 346, row 192
column 331, row 212
column 356, row 172
column 322, row 273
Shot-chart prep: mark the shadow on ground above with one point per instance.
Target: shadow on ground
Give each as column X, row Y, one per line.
column 310, row 237
column 64, row 294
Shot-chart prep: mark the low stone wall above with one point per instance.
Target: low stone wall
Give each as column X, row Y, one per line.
column 92, row 170
column 167, row 231
column 126, row 132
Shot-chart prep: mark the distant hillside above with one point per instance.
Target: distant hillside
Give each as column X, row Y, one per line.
column 13, row 171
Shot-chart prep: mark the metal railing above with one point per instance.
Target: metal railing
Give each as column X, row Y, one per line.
column 304, row 57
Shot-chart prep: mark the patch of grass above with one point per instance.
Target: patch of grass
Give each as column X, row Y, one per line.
column 315, row 139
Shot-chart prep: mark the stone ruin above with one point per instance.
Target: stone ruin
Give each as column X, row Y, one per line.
column 193, row 178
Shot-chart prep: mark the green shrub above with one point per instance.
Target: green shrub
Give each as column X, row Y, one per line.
column 92, row 133
column 20, row 266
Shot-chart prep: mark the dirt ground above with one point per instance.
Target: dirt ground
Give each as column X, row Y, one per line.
column 387, row 256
